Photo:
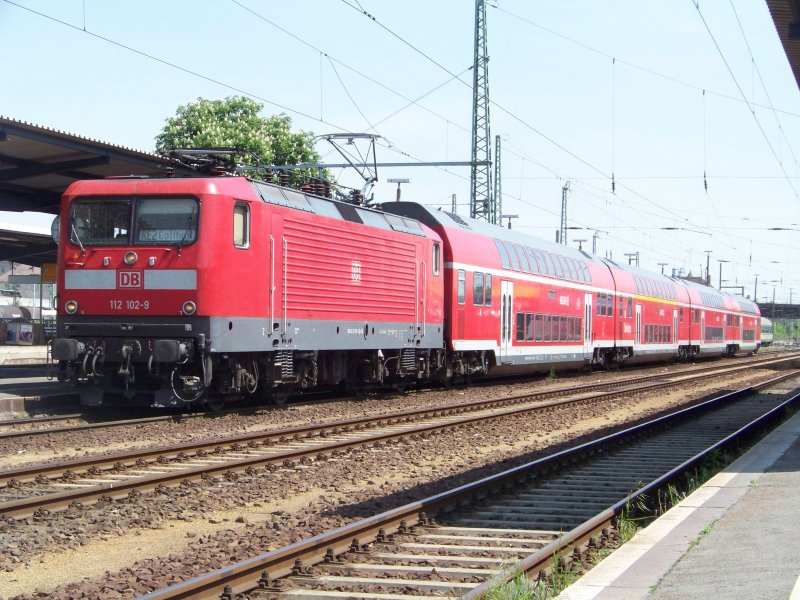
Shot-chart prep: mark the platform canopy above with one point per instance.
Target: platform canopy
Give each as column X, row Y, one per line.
column 37, row 164
column 786, row 16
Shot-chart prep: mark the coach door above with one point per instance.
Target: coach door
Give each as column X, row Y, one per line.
column 506, row 319
column 587, row 326
column 638, row 339
column 675, row 326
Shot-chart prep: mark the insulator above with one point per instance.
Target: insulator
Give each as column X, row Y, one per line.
column 283, row 178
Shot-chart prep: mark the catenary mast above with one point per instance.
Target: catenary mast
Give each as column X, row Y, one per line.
column 482, row 203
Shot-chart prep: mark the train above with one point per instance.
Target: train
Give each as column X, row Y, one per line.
column 767, row 333
column 210, row 289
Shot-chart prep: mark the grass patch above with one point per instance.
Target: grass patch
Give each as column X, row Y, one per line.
column 703, row 533
column 520, row 587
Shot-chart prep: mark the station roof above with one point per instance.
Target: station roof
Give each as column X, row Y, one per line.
column 37, row 164
column 786, row 16
column 26, row 245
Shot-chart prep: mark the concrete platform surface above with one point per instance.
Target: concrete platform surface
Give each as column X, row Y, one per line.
column 735, row 537
column 23, row 355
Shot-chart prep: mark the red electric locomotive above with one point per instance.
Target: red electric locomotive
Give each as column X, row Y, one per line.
column 179, row 290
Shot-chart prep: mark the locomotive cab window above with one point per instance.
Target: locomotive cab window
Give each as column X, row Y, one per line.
column 165, row 221
column 107, row 222
column 100, row 222
column 241, row 225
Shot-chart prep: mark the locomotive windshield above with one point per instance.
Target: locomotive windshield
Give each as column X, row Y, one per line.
column 129, row 221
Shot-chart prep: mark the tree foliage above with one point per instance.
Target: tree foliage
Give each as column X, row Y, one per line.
column 235, row 122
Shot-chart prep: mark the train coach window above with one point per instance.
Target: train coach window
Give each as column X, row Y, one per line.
column 477, row 289
column 241, row 225
column 523, row 259
column 601, row 305
column 487, row 285
column 520, row 327
column 538, row 328
column 586, row 274
column 563, row 329
column 573, row 271
column 501, row 249
column 578, row 329
column 512, row 255
column 547, row 330
column 462, row 286
column 532, row 261
column 559, row 267
column 437, row 256
column 529, row 327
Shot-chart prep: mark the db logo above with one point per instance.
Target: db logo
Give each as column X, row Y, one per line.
column 129, row 279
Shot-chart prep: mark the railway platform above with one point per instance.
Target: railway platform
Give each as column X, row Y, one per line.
column 735, row 537
column 22, row 355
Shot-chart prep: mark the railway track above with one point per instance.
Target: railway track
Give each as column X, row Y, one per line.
column 48, row 425
column 464, row 541
column 36, row 490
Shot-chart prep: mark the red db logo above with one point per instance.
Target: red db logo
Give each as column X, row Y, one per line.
column 129, row 279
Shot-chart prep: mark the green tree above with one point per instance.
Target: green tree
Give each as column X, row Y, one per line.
column 235, row 122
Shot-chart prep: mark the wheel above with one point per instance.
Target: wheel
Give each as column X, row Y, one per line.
column 279, row 399
column 215, row 403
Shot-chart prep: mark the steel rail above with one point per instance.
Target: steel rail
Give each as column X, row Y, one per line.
column 43, row 504
column 260, row 572
column 5, row 435
column 143, row 457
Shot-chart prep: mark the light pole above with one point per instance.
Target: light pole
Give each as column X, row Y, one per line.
column 708, row 267
column 755, row 288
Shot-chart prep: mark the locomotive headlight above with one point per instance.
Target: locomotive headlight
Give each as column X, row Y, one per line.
column 131, row 258
column 71, row 307
column 189, row 308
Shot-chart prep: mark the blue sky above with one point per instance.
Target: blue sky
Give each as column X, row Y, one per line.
column 581, row 89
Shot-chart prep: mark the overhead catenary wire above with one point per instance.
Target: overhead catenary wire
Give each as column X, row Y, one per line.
column 744, row 97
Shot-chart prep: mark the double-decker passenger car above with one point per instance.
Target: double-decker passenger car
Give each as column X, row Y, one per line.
column 514, row 302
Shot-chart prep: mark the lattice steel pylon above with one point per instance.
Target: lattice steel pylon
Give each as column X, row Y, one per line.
column 482, row 203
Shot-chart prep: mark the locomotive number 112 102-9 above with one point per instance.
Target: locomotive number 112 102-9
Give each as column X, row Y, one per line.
column 129, row 304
